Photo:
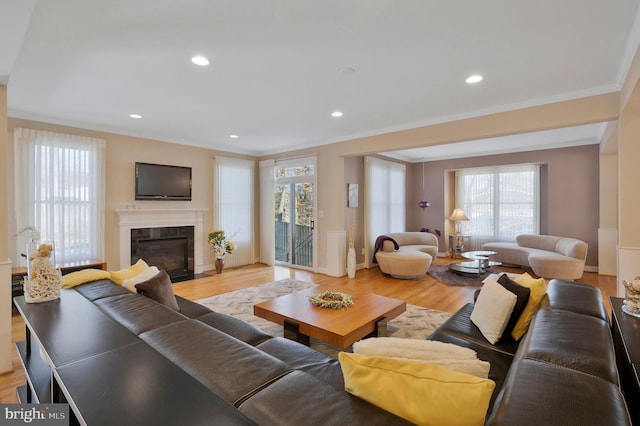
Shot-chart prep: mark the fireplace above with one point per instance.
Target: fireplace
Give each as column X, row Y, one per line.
column 133, row 219
column 170, row 248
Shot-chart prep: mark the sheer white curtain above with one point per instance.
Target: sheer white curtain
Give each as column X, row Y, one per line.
column 233, row 189
column 385, row 191
column 501, row 202
column 60, row 190
column 267, row 208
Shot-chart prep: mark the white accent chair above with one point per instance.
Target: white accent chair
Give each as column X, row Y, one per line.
column 547, row 255
column 414, row 256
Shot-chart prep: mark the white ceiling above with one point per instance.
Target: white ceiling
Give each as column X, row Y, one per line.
column 278, row 67
column 590, row 134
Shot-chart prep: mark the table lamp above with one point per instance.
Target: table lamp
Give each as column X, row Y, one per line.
column 458, row 216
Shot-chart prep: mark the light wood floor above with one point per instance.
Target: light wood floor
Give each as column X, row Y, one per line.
column 425, row 291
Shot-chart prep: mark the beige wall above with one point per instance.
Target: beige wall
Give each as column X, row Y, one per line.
column 122, row 153
column 354, row 173
column 5, row 262
column 608, row 230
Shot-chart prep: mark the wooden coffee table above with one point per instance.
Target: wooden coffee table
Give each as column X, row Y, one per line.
column 338, row 327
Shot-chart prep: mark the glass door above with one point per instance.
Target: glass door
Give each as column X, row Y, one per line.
column 294, row 215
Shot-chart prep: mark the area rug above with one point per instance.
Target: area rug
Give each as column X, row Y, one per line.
column 416, row 323
column 446, row 276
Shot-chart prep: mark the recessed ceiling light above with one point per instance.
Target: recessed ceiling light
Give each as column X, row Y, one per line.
column 135, row 116
column 233, row 136
column 200, row 60
column 336, row 114
column 474, row 79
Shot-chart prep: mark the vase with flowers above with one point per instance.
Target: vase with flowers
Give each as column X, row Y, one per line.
column 221, row 245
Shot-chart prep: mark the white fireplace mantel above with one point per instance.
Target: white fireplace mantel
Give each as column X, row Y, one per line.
column 129, row 219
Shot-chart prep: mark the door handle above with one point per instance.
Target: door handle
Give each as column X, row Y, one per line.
column 313, row 224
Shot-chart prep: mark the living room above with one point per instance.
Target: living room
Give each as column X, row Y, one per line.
column 601, row 175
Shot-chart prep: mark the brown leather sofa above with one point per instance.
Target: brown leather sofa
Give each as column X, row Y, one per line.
column 563, row 371
column 269, row 380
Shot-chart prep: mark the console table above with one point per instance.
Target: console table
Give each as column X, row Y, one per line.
column 625, row 329
column 18, row 273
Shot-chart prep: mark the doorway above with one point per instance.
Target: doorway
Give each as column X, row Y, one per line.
column 294, row 214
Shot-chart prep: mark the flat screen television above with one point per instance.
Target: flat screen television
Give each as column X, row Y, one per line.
column 162, row 182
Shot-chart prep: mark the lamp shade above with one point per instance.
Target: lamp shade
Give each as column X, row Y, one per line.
column 458, row 215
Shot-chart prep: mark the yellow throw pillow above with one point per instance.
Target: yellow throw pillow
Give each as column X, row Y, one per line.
column 538, row 289
column 120, row 276
column 419, row 392
column 84, row 276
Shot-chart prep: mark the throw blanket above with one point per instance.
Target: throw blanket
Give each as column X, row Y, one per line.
column 378, row 245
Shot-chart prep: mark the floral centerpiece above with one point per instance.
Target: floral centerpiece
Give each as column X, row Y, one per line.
column 331, row 299
column 220, row 243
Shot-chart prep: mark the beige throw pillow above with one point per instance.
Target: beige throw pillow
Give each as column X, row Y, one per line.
column 447, row 355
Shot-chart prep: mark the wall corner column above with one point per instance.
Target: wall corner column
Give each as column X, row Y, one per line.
column 5, row 262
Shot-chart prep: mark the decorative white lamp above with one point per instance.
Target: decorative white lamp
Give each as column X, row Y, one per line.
column 458, row 216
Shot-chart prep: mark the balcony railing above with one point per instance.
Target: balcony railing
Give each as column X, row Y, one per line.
column 303, row 244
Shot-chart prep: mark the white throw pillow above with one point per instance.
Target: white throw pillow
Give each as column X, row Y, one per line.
column 447, row 355
column 412, row 348
column 148, row 273
column 492, row 310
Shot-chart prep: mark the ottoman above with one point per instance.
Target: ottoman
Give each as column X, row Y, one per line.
column 404, row 264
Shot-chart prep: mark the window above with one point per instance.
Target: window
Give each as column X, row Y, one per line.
column 233, row 206
column 501, row 202
column 384, row 199
column 60, row 191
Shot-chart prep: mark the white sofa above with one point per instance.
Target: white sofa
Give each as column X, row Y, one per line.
column 416, row 251
column 547, row 255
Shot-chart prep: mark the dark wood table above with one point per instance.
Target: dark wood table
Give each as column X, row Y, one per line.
column 625, row 329
column 18, row 273
column 338, row 327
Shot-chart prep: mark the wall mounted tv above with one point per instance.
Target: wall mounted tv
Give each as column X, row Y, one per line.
column 162, row 182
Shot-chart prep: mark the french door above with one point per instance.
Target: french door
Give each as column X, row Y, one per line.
column 294, row 207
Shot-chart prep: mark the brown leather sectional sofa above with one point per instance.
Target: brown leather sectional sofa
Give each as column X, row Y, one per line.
column 562, row 372
column 269, row 380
